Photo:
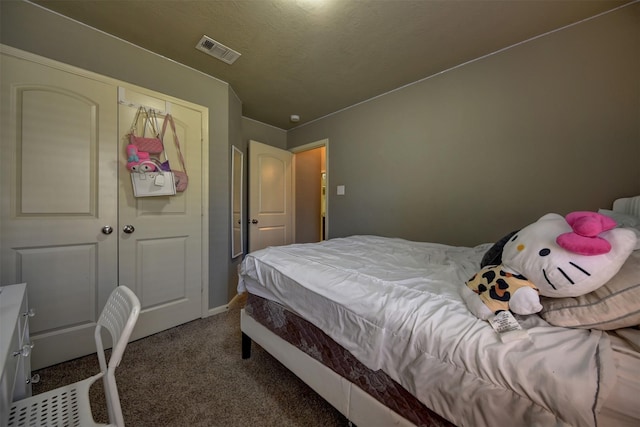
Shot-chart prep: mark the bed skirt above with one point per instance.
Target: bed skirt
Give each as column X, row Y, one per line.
column 316, row 344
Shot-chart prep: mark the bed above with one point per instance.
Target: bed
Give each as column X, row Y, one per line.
column 377, row 327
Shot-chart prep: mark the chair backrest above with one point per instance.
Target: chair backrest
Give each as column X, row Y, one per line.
column 119, row 316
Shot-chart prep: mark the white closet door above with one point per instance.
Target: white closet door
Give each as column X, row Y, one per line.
column 63, row 183
column 58, row 188
column 161, row 260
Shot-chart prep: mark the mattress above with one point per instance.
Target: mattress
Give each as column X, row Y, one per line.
column 620, row 409
column 394, row 306
column 306, row 337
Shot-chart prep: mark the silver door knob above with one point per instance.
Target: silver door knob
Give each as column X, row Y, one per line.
column 107, row 229
column 254, row 221
column 128, row 229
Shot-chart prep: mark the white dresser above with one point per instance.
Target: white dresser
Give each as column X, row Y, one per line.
column 15, row 347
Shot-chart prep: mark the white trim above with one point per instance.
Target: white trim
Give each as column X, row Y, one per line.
column 231, row 89
column 310, row 146
column 294, row 219
column 205, row 212
column 235, row 151
column 217, row 310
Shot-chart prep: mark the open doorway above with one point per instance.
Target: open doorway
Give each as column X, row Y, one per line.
column 310, row 180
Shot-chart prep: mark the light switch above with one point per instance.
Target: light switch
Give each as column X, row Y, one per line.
column 340, row 191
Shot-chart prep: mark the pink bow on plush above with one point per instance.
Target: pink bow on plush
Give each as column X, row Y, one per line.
column 584, row 239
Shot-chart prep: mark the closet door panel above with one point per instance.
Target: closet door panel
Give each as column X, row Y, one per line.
column 58, row 187
column 70, row 134
column 162, row 283
column 161, row 260
column 64, row 296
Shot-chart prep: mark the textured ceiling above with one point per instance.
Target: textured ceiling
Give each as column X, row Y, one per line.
column 315, row 57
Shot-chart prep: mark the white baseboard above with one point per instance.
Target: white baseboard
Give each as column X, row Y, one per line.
column 217, row 310
column 237, row 300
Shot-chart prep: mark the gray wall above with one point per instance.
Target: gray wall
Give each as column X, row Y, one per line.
column 261, row 132
column 550, row 125
column 37, row 30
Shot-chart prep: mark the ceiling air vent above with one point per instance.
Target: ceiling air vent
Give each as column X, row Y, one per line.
column 217, row 50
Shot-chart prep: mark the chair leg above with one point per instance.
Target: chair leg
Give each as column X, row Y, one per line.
column 246, row 346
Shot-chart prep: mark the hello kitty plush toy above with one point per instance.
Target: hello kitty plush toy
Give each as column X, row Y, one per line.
column 554, row 257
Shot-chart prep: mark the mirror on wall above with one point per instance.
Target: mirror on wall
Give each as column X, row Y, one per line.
column 236, row 202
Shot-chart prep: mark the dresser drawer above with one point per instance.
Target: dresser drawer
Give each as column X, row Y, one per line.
column 14, row 336
column 22, row 385
column 9, row 371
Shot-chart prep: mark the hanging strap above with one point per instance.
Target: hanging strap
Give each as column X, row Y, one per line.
column 134, row 125
column 150, row 119
column 169, row 118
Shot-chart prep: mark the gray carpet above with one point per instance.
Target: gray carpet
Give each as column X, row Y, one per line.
column 194, row 375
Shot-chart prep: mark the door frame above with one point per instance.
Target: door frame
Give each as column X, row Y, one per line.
column 302, row 148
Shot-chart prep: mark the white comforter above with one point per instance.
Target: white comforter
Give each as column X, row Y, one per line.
column 394, row 304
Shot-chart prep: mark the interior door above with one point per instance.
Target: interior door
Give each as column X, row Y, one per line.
column 161, row 242
column 58, row 191
column 270, row 196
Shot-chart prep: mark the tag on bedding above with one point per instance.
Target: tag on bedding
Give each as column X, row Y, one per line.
column 507, row 327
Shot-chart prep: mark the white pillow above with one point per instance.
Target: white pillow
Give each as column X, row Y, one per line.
column 614, row 305
column 625, row 221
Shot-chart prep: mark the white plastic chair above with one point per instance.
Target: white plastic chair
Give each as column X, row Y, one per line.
column 69, row 405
